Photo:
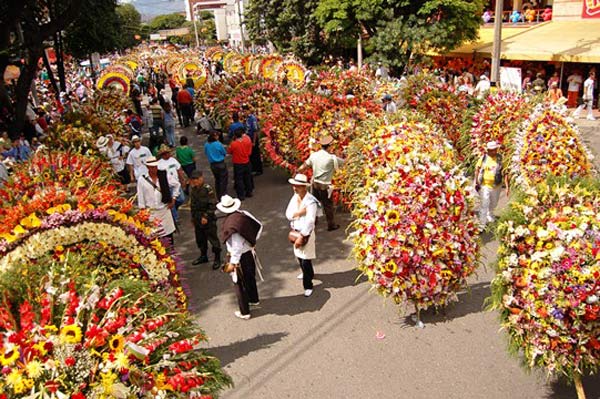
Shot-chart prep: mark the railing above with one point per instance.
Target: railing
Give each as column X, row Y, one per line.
column 537, row 17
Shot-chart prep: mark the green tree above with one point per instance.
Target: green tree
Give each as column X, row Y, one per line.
column 97, row 31
column 290, row 25
column 130, row 23
column 167, row 21
column 410, row 30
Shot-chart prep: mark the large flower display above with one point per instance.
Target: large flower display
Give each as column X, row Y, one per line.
column 76, row 338
column 415, row 234
column 548, row 271
column 548, row 144
column 497, row 119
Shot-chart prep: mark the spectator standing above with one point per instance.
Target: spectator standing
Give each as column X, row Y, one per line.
column 575, row 80
column 136, row 98
column 186, row 156
column 235, row 125
column 554, row 93
column 184, row 100
column 482, row 88
column 554, row 79
column 169, row 123
column 240, row 232
column 173, row 168
column 588, row 98
column 324, row 165
column 136, row 159
column 240, row 150
column 157, row 117
column 215, row 153
column 174, row 94
column 302, row 213
column 203, row 204
column 253, row 131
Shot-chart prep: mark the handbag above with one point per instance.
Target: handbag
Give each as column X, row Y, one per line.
column 228, row 267
column 293, row 236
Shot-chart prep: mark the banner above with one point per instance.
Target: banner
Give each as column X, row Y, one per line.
column 510, row 79
column 591, row 9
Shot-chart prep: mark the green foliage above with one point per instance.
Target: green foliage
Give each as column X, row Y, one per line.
column 168, row 21
column 130, row 23
column 95, row 30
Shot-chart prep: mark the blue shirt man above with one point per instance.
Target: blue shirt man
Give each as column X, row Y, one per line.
column 235, row 125
column 215, row 152
column 19, row 152
column 252, row 126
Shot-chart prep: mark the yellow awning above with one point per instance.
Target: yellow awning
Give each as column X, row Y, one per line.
column 568, row 41
column 486, row 37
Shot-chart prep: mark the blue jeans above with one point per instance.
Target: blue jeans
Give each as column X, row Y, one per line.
column 178, row 202
column 170, row 133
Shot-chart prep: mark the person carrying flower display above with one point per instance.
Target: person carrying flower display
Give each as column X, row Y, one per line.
column 203, row 205
column 488, row 181
column 302, row 212
column 324, row 165
column 240, row 232
column 154, row 189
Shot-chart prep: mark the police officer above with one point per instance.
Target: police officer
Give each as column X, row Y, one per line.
column 203, row 205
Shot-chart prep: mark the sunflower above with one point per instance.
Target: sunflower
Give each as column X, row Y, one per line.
column 116, row 343
column 392, row 216
column 391, row 266
column 8, row 357
column 70, row 334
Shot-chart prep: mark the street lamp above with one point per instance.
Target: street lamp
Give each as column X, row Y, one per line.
column 497, row 42
column 239, row 8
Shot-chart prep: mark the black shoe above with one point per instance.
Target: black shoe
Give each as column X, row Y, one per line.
column 249, row 195
column 334, row 227
column 216, row 264
column 200, row 260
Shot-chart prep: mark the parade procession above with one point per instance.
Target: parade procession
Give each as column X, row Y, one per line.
column 332, row 198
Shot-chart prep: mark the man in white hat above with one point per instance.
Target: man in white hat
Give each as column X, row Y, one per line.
column 154, row 189
column 172, row 166
column 302, row 213
column 136, row 160
column 324, row 166
column 239, row 232
column 488, row 181
column 116, row 152
column 482, row 87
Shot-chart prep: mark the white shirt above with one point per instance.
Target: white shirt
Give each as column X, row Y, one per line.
column 305, row 224
column 149, row 196
column 137, row 159
column 574, row 82
column 171, row 165
column 483, row 86
column 323, row 165
column 238, row 245
column 116, row 154
column 588, row 89
column 390, row 107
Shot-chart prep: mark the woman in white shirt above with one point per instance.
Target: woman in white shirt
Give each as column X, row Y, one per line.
column 302, row 214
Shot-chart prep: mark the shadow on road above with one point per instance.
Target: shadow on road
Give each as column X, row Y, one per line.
column 561, row 389
column 469, row 301
column 232, row 352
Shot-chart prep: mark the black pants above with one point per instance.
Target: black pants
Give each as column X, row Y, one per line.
column 187, row 114
column 245, row 288
column 124, row 177
column 219, row 171
column 323, row 197
column 242, row 180
column 188, row 169
column 205, row 234
column 256, row 159
column 308, row 273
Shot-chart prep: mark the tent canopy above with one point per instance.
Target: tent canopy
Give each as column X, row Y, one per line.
column 567, row 41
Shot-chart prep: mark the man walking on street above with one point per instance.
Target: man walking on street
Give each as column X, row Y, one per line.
column 185, row 100
column 574, row 81
column 488, row 182
column 588, row 98
column 240, row 150
column 215, row 153
column 136, row 159
column 240, row 232
column 324, row 165
column 253, row 131
column 203, row 204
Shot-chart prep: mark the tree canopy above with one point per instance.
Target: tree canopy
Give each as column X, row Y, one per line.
column 395, row 31
column 130, row 23
column 167, row 21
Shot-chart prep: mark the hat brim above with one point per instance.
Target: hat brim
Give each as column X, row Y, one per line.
column 153, row 163
column 234, row 207
column 294, row 182
column 495, row 147
column 326, row 141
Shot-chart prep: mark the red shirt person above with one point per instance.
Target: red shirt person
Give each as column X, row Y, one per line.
column 240, row 150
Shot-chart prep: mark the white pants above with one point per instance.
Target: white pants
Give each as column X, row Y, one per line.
column 489, row 199
column 587, row 103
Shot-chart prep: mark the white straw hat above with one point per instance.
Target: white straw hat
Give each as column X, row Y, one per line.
column 228, row 204
column 299, row 180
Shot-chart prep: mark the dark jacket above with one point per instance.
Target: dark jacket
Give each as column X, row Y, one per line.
column 203, row 204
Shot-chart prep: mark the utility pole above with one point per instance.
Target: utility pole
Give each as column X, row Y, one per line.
column 194, row 16
column 239, row 7
column 497, row 42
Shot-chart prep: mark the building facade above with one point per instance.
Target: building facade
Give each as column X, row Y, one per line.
column 228, row 14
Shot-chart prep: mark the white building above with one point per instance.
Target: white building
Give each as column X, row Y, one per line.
column 227, row 17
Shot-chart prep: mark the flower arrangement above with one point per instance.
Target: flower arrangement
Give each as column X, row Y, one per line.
column 497, row 120
column 546, row 287
column 269, row 65
column 415, row 233
column 77, row 339
column 294, row 71
column 548, row 144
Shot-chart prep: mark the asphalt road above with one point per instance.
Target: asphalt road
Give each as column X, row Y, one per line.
column 327, row 346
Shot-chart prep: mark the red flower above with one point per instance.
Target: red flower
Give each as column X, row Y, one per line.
column 70, row 361
column 78, row 395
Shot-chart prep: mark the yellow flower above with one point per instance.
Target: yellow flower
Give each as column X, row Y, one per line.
column 8, row 237
column 392, row 216
column 70, row 334
column 391, row 266
column 14, row 378
column 34, row 369
column 8, row 357
column 116, row 343
column 121, row 361
column 31, row 221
